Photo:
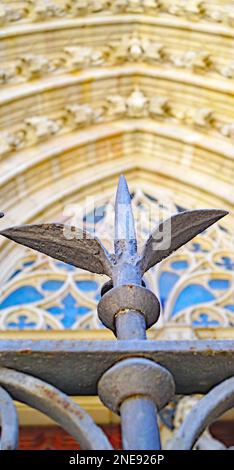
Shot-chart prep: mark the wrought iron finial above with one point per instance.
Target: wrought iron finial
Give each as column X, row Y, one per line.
column 125, row 267
column 79, row 248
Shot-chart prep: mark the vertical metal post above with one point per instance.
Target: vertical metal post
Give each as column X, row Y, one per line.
column 130, row 325
column 139, row 424
column 138, row 414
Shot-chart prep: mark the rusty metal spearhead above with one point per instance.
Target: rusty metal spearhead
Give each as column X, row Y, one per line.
column 79, row 248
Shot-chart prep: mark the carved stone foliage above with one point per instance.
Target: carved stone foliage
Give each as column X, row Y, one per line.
column 136, row 105
column 196, row 61
column 81, row 115
column 195, row 284
column 132, row 48
column 40, row 128
column 10, row 141
column 78, row 57
column 48, row 10
column 33, row 130
column 32, row 66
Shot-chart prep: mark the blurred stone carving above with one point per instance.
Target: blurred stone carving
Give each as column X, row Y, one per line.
column 227, row 130
column 134, row 48
column 40, row 128
column 136, row 104
column 213, row 13
column 79, row 57
column 201, row 117
column 80, row 7
column 79, row 115
column 46, row 9
column 229, row 15
column 197, row 61
column 135, row 6
column 116, row 105
column 7, row 74
column 159, row 106
column 34, row 66
column 194, row 9
column 11, row 14
column 191, row 9
column 11, row 141
column 228, row 70
column 131, row 48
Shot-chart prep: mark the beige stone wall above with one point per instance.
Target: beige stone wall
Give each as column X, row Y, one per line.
column 89, row 90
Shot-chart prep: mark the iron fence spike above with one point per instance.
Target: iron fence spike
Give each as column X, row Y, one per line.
column 125, row 235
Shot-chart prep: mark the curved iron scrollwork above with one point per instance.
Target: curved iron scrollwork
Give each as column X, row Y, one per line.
column 210, row 407
column 50, row 401
column 8, row 421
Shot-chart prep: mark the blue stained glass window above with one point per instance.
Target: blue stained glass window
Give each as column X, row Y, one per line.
column 15, row 274
column 87, row 285
column 69, row 311
column 67, row 267
column 226, row 263
column 98, row 296
column 22, row 323
column 192, row 295
column 180, row 264
column 205, row 321
column 28, row 263
column 22, row 295
column 219, row 284
column 230, row 307
column 56, row 310
column 52, row 285
column 166, row 283
column 198, row 247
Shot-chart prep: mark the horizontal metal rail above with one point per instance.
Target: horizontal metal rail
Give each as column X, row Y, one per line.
column 196, row 366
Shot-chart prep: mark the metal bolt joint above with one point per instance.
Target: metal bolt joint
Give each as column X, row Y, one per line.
column 128, row 297
column 136, row 377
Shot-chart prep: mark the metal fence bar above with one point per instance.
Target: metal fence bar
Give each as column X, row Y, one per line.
column 56, row 405
column 8, row 422
column 139, row 424
column 209, row 408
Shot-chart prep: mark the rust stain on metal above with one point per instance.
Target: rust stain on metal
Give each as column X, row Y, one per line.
column 61, row 402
